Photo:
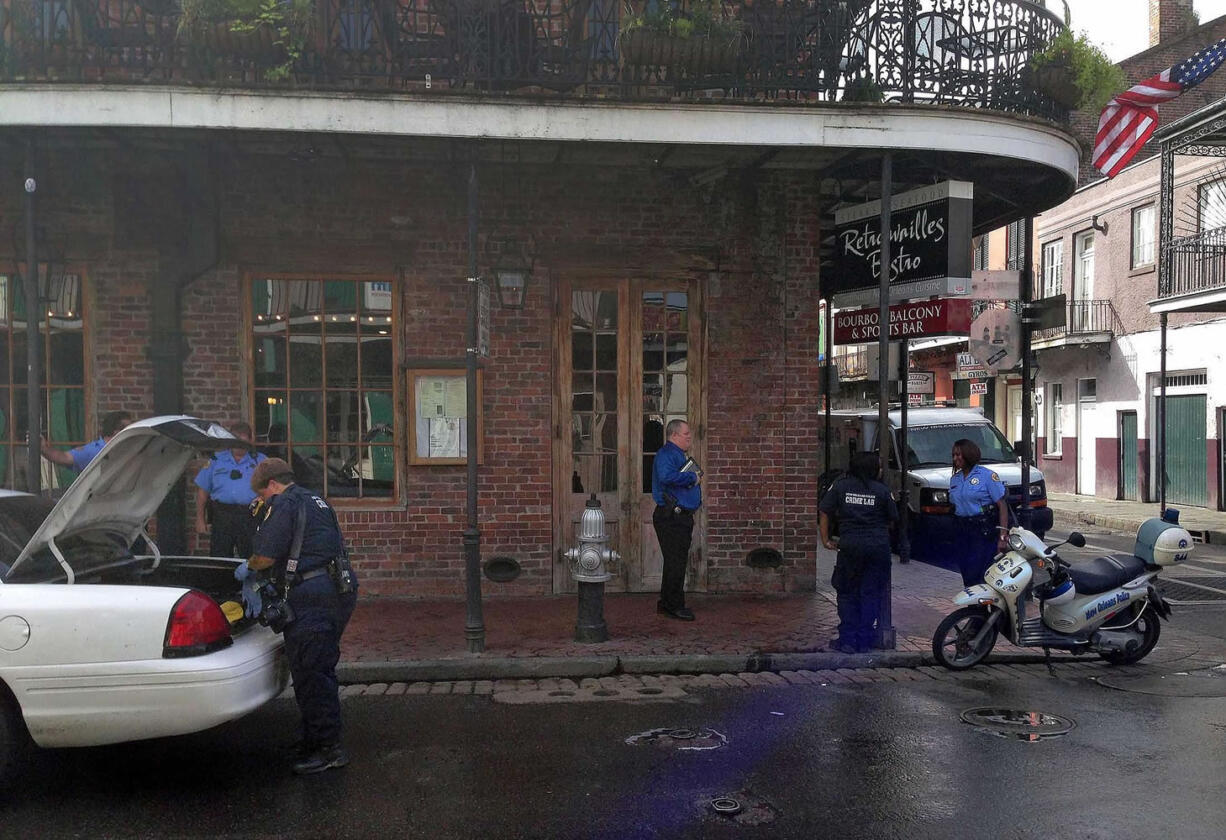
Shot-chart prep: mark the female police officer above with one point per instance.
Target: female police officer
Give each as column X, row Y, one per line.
column 978, row 497
column 301, row 542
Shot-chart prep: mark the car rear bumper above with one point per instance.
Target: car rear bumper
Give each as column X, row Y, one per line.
column 111, row 702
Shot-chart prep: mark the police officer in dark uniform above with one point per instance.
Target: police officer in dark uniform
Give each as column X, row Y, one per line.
column 223, row 488
column 321, row 592
column 865, row 511
column 982, row 512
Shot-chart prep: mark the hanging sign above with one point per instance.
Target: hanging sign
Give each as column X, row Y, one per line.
column 920, row 319
column 921, row 382
column 980, row 388
column 915, row 399
column 930, row 241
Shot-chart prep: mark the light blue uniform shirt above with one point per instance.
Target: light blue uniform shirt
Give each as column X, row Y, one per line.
column 972, row 492
column 83, row 454
column 215, row 478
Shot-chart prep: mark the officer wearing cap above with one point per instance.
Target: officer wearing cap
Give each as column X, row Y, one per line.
column 322, row 592
column 223, row 487
column 982, row 512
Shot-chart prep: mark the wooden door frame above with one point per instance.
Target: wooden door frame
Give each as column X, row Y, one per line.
column 629, row 435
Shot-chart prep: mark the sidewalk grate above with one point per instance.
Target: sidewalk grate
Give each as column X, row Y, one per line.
column 1202, row 589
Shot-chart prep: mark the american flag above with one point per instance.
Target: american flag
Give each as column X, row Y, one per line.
column 1130, row 117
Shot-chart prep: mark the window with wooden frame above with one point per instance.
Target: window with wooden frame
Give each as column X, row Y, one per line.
column 1053, row 268
column 1143, row 233
column 61, row 324
column 323, row 379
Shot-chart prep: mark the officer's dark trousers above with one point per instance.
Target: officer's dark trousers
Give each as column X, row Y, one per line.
column 675, row 531
column 233, row 527
column 860, row 573
column 313, row 646
column 977, row 539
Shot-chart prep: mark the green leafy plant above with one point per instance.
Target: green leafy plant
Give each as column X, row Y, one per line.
column 863, row 89
column 288, row 24
column 1095, row 77
column 699, row 19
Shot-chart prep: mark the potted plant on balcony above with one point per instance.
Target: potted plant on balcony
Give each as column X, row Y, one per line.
column 698, row 40
column 269, row 33
column 1075, row 72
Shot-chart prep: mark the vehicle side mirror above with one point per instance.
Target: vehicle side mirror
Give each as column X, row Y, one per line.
column 1022, row 449
column 1076, row 540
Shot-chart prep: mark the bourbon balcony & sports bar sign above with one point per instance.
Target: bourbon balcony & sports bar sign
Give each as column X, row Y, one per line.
column 917, row 319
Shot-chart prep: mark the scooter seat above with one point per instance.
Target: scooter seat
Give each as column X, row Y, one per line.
column 1103, row 573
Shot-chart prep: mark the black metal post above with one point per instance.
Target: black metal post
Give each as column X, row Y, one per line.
column 885, row 622
column 1162, row 418
column 474, row 623
column 904, row 495
column 829, row 327
column 34, row 374
column 1025, row 294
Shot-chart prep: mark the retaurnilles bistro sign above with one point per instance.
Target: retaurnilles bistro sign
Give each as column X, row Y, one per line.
column 918, row 319
column 930, row 241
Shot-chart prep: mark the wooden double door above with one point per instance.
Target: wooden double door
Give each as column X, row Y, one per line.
column 629, row 358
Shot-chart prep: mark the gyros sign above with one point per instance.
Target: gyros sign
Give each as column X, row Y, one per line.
column 919, row 319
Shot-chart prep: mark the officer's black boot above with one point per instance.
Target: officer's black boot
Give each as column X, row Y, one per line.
column 322, row 759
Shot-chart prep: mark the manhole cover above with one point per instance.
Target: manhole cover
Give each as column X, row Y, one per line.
column 742, row 807
column 681, row 739
column 1022, row 724
column 1210, row 683
column 1202, row 589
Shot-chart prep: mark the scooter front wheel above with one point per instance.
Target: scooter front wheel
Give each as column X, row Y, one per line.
column 953, row 644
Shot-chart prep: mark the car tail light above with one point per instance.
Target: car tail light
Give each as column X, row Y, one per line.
column 196, row 626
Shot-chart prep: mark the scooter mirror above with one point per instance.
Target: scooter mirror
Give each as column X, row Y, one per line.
column 1076, row 540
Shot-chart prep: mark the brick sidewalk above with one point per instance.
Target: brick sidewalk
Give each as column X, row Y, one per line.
column 386, row 629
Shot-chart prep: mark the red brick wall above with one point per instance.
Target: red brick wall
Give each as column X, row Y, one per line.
column 351, row 215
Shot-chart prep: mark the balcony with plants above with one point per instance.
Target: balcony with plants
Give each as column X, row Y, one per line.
column 936, row 52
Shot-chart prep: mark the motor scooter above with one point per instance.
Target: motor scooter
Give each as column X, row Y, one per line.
column 1109, row 605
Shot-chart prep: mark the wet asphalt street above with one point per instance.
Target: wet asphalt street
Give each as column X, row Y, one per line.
column 875, row 759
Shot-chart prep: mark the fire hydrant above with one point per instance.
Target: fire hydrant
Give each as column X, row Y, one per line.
column 589, row 566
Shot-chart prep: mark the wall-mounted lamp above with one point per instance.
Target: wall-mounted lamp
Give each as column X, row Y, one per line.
column 1095, row 224
column 511, row 264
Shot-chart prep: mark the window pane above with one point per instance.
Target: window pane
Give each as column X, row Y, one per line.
column 606, row 428
column 653, row 352
column 306, row 420
column 581, row 350
column 270, row 422
column 581, row 433
column 305, row 360
column 66, row 365
column 677, row 348
column 344, row 421
column 269, row 362
column 378, row 365
column 341, row 358
column 377, row 299
column 676, row 394
column 606, row 392
column 678, row 311
column 653, row 392
column 582, row 397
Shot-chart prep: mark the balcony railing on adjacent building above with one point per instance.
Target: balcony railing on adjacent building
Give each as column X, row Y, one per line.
column 1198, row 264
column 1083, row 318
column 906, row 51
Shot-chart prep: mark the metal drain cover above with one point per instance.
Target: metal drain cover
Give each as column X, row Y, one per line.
column 1023, row 724
column 687, row 740
column 725, row 805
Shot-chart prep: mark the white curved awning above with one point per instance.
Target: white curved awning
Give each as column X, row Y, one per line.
column 782, row 125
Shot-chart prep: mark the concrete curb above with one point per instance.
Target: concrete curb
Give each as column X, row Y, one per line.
column 1074, row 518
column 577, row 667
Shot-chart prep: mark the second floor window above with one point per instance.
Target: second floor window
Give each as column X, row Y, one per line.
column 1053, row 268
column 1083, row 265
column 1211, row 205
column 1015, row 245
column 980, row 262
column 1143, row 236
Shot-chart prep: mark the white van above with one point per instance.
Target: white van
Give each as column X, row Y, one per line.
column 931, row 433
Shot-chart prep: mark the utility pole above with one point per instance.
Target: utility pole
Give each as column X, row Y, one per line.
column 474, row 622
column 33, row 301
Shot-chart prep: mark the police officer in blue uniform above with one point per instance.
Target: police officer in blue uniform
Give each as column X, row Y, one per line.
column 321, row 591
column 223, row 488
column 864, row 510
column 78, row 458
column 982, row 511
column 678, row 496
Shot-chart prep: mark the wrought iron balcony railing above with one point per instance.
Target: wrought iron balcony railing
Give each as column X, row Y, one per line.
column 852, row 362
column 909, row 51
column 1198, row 264
column 1082, row 317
